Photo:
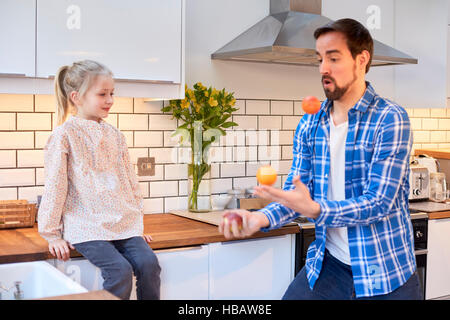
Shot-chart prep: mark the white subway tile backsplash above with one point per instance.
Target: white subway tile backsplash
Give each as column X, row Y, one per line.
column 42, row 138
column 269, row 122
column 163, row 188
column 232, row 169
column 153, row 205
column 244, row 183
column 141, row 106
column 45, row 103
column 133, row 122
column 175, row 171
column 7, row 158
column 264, row 135
column 7, row 121
column 30, row 193
column 246, row 122
column 8, row 194
column 269, row 153
column 34, row 121
column 17, row 177
column 16, row 140
column 257, row 107
column 30, row 158
column 175, row 203
column 148, row 138
column 165, row 155
column 16, row 102
column 282, row 107
column 122, row 105
column 221, row 185
column 290, row 122
column 162, row 122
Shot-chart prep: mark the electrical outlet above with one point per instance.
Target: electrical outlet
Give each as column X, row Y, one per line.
column 146, row 166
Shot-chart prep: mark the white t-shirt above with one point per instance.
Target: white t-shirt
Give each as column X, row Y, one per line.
column 337, row 238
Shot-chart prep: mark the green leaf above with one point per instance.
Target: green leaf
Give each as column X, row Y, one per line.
column 229, row 124
column 166, row 109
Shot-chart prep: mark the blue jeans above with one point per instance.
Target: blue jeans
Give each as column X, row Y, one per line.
column 118, row 260
column 335, row 282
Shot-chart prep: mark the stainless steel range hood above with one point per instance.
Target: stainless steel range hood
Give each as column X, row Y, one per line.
column 286, row 37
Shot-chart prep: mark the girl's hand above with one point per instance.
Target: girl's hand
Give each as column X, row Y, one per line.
column 147, row 238
column 60, row 249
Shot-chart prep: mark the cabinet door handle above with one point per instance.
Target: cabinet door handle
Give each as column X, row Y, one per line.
column 12, row 74
column 420, row 252
column 179, row 249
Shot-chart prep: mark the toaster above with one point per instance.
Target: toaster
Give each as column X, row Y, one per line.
column 419, row 183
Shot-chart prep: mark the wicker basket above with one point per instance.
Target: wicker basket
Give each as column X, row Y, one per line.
column 16, row 214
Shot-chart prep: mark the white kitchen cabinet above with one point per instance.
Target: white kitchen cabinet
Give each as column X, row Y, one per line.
column 438, row 259
column 251, row 269
column 81, row 271
column 142, row 42
column 17, row 38
column 184, row 273
column 138, row 40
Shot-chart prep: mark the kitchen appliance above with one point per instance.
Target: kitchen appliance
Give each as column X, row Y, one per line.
column 286, row 36
column 419, row 183
column 419, row 221
column 438, row 187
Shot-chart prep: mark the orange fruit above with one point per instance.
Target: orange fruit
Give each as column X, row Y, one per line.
column 266, row 175
column 311, row 105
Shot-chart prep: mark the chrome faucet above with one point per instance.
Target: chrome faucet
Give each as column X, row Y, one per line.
column 18, row 295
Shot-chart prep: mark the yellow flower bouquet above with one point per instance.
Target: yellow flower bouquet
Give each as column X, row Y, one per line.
column 205, row 113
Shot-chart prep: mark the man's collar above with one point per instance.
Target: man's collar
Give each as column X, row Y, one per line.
column 361, row 105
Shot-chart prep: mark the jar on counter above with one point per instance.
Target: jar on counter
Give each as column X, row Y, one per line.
column 235, row 194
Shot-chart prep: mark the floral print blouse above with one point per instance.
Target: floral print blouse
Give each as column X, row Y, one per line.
column 91, row 188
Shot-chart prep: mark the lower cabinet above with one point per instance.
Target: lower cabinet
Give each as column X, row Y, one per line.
column 242, row 269
column 438, row 259
column 251, row 269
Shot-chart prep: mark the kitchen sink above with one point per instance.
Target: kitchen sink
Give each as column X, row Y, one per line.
column 38, row 279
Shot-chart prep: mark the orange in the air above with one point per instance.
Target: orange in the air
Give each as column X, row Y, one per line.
column 311, row 105
column 266, row 175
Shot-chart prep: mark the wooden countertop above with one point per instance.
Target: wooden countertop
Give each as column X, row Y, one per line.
column 92, row 295
column 167, row 231
column 435, row 153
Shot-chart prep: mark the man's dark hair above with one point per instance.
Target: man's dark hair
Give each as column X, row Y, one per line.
column 358, row 37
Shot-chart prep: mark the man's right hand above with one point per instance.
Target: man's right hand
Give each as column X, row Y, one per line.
column 60, row 249
column 251, row 222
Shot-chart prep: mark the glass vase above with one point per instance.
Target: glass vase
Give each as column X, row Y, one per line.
column 199, row 173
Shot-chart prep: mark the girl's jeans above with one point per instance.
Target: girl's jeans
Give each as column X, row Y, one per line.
column 118, row 260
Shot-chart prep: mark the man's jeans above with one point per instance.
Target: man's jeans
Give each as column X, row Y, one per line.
column 335, row 282
column 118, row 260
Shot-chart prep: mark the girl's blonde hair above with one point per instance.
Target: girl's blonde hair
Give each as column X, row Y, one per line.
column 77, row 77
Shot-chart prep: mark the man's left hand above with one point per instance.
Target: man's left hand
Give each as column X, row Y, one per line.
column 298, row 199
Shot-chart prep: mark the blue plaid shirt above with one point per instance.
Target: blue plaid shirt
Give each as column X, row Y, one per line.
column 375, row 210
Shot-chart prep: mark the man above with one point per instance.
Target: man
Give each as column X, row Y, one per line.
column 349, row 176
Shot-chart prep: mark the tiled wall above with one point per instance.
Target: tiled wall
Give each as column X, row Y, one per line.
column 26, row 122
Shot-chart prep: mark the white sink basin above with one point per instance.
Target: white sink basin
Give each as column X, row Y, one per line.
column 38, row 279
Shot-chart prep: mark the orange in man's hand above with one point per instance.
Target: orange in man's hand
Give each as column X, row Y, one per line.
column 311, row 104
column 266, row 175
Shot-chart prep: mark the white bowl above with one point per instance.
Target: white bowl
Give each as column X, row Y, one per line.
column 219, row 201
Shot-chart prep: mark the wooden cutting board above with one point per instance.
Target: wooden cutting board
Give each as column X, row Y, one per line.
column 211, row 217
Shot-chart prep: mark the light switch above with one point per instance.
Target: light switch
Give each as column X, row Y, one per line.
column 146, row 166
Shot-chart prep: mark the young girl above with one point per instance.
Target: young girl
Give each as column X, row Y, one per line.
column 92, row 201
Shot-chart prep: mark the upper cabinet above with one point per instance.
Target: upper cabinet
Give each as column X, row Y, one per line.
column 17, row 37
column 142, row 42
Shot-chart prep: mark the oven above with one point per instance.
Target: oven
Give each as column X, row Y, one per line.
column 420, row 229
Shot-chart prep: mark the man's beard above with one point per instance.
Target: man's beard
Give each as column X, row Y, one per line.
column 338, row 92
